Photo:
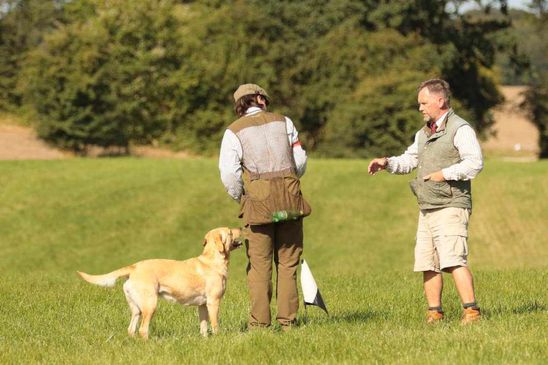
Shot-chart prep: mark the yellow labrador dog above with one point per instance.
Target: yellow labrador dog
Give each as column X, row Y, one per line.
column 197, row 281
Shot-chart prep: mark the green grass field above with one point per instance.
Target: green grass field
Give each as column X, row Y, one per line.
column 96, row 215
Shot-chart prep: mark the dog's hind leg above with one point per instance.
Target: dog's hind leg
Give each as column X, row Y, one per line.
column 135, row 311
column 202, row 311
column 147, row 303
column 135, row 315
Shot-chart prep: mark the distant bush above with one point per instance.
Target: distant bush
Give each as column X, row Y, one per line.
column 117, row 73
column 23, row 24
column 109, row 77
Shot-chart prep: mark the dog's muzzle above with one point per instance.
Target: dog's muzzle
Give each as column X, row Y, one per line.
column 240, row 241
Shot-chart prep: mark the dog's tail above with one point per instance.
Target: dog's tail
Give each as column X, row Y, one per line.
column 107, row 280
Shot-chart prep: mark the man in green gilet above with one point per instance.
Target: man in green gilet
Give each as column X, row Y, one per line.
column 261, row 161
column 447, row 155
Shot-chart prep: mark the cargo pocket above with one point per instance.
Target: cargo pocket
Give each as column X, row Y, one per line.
column 258, row 190
column 440, row 188
column 292, row 185
column 293, row 197
column 435, row 193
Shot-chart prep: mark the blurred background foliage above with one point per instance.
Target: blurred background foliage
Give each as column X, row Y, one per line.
column 117, row 73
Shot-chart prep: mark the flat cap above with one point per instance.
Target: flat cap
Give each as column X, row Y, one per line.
column 249, row 89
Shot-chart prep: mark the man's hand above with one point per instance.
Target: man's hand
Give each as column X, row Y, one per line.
column 435, row 176
column 377, row 165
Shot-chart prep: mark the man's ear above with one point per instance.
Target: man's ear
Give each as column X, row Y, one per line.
column 262, row 101
column 441, row 102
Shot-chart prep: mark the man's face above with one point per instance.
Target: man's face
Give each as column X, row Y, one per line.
column 431, row 105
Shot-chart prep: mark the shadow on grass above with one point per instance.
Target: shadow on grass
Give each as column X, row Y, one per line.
column 358, row 316
column 530, row 308
column 322, row 319
column 353, row 317
column 524, row 308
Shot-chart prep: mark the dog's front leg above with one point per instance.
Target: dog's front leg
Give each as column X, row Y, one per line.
column 213, row 309
column 202, row 311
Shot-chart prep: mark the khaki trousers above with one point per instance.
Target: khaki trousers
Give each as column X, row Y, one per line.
column 284, row 242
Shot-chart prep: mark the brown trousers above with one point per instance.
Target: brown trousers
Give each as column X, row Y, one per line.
column 284, row 241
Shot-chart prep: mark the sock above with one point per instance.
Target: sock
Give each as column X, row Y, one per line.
column 438, row 309
column 472, row 305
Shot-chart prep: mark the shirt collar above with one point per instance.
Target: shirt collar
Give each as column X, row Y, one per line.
column 253, row 110
column 440, row 119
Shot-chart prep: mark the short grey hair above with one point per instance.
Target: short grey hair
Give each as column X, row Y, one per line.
column 437, row 86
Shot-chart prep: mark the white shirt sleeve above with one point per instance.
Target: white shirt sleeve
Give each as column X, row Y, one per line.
column 406, row 162
column 299, row 154
column 471, row 163
column 230, row 165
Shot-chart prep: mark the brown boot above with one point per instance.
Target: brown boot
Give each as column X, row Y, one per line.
column 471, row 315
column 433, row 316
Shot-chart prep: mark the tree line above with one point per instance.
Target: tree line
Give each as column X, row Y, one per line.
column 115, row 73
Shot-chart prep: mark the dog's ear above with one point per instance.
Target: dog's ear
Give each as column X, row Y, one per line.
column 219, row 239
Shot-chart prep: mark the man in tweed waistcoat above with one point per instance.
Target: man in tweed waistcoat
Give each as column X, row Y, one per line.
column 447, row 155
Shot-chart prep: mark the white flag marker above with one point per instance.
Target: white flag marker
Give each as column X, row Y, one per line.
column 311, row 293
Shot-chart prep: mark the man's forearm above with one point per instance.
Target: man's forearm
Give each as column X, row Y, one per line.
column 406, row 162
column 403, row 164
